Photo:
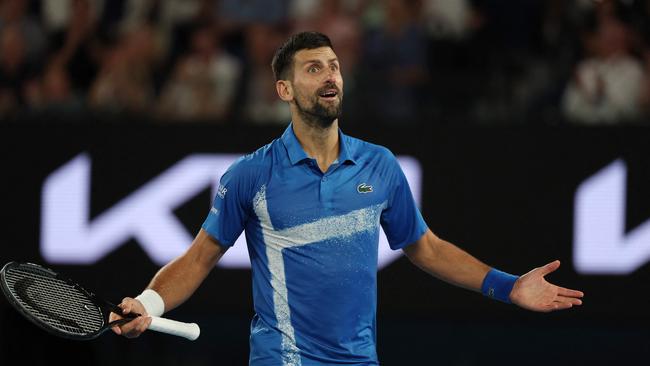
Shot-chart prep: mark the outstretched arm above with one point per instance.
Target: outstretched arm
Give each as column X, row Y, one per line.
column 175, row 282
column 451, row 264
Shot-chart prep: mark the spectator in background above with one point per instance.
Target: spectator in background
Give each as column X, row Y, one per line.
column 236, row 12
column 260, row 104
column 204, row 82
column 639, row 14
column 53, row 94
column 478, row 61
column 14, row 12
column 552, row 62
column 76, row 46
column 124, row 83
column 15, row 71
column 446, row 19
column 453, row 60
column 506, row 46
column 57, row 15
column 169, row 17
column 398, row 51
column 608, row 84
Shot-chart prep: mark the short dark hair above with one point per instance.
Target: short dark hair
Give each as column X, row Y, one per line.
column 283, row 58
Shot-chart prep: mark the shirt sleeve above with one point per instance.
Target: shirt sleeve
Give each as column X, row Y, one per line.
column 231, row 206
column 401, row 220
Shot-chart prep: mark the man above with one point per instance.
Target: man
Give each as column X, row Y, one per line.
column 311, row 203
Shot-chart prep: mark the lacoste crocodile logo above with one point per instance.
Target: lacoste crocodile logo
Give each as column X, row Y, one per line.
column 364, row 188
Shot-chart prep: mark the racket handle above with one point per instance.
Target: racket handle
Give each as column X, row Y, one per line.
column 190, row 331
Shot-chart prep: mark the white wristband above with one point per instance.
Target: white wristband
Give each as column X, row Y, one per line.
column 152, row 302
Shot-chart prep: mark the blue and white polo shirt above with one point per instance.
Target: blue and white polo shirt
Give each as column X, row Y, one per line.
column 312, row 239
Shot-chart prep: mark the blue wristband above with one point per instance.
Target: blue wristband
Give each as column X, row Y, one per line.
column 497, row 285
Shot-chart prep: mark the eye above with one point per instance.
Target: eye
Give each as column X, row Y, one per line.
column 334, row 67
column 312, row 69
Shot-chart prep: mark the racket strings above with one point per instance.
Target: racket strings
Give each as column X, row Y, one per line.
column 55, row 302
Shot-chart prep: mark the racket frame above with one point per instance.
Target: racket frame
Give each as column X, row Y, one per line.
column 105, row 307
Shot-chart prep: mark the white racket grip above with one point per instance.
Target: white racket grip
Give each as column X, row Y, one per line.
column 190, row 331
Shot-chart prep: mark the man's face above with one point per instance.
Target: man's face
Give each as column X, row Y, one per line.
column 318, row 85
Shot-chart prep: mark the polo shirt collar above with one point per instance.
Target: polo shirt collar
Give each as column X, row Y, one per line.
column 297, row 154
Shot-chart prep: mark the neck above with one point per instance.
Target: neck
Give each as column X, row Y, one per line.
column 320, row 143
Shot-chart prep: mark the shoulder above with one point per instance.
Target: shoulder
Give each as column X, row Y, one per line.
column 367, row 151
column 258, row 158
column 253, row 164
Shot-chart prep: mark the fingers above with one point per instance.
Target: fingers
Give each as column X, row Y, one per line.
column 134, row 327
column 562, row 303
column 550, row 267
column 569, row 293
column 132, row 306
column 116, row 330
column 128, row 304
column 569, row 300
column 111, row 318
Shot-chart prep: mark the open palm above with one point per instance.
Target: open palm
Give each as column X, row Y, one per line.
column 533, row 292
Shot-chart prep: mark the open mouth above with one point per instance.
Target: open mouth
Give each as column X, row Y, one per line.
column 329, row 94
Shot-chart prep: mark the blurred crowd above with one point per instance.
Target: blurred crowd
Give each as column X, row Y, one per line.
column 405, row 62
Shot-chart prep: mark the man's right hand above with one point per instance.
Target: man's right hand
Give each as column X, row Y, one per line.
column 136, row 326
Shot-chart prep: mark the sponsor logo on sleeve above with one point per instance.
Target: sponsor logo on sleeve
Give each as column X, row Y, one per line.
column 221, row 191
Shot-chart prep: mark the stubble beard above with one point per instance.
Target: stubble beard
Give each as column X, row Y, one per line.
column 320, row 115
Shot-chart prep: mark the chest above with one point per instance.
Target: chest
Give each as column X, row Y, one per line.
column 302, row 194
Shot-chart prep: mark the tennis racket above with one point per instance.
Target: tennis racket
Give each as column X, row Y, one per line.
column 65, row 309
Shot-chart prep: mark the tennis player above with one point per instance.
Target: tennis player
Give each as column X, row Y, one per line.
column 311, row 203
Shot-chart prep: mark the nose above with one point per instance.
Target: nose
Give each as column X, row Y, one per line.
column 331, row 76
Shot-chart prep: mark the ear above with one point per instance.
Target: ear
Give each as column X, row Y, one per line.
column 284, row 89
